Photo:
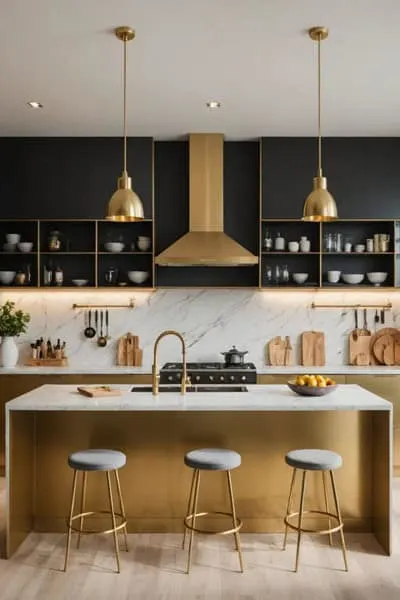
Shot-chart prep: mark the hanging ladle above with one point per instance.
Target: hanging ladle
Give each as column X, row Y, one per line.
column 90, row 331
column 101, row 340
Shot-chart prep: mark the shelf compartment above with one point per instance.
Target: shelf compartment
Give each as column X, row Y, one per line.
column 124, row 262
column 78, row 266
column 76, row 236
column 128, row 233
column 292, row 231
column 303, row 263
column 359, row 263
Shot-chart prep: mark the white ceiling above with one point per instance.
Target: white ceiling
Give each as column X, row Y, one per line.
column 252, row 55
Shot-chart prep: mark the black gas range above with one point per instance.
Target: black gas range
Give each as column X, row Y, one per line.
column 209, row 372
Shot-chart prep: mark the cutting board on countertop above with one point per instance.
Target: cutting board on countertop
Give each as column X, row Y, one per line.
column 128, row 352
column 101, row 391
column 360, row 350
column 313, row 349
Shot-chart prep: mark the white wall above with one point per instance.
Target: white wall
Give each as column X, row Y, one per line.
column 211, row 321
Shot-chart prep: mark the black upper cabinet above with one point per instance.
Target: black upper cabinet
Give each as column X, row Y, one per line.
column 61, row 178
column 363, row 176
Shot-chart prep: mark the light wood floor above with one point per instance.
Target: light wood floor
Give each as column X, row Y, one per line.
column 153, row 569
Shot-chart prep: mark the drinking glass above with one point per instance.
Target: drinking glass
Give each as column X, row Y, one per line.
column 285, row 274
column 328, row 242
column 278, row 274
column 268, row 275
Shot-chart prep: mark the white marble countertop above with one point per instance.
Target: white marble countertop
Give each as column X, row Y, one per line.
column 330, row 370
column 258, row 398
column 75, row 370
column 266, row 370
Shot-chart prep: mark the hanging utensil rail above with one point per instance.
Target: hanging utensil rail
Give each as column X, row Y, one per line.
column 387, row 306
column 130, row 305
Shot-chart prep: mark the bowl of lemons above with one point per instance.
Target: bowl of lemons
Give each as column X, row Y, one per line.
column 312, row 385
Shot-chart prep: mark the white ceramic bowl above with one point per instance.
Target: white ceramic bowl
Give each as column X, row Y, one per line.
column 114, row 246
column 25, row 246
column 137, row 276
column 293, row 246
column 9, row 247
column 377, row 277
column 143, row 243
column 13, row 238
column 300, row 277
column 359, row 248
column 334, row 276
column 80, row 282
column 7, row 277
column 353, row 278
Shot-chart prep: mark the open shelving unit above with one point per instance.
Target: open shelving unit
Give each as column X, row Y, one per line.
column 82, row 254
column 318, row 262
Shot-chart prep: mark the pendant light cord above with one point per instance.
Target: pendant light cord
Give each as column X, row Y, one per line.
column 319, row 110
column 125, row 41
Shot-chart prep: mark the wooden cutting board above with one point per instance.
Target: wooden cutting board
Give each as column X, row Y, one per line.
column 376, row 336
column 360, row 350
column 276, row 352
column 128, row 352
column 384, row 346
column 313, row 349
column 98, row 392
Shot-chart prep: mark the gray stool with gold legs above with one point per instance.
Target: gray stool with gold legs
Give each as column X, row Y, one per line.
column 322, row 461
column 211, row 459
column 96, row 460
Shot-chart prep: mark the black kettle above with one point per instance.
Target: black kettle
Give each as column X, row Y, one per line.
column 234, row 357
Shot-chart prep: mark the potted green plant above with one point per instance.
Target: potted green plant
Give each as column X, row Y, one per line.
column 12, row 324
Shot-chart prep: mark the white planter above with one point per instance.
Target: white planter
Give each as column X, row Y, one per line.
column 8, row 352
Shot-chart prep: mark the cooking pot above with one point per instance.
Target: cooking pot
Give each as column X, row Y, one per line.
column 234, row 357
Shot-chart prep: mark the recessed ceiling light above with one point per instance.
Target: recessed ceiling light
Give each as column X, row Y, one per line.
column 34, row 104
column 213, row 104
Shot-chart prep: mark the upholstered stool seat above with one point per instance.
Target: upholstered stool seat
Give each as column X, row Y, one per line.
column 314, row 460
column 97, row 460
column 211, row 459
column 106, row 461
column 322, row 461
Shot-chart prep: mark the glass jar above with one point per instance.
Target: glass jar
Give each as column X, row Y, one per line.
column 267, row 243
column 328, row 242
column 54, row 241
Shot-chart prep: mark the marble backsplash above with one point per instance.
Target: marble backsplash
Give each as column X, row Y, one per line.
column 211, row 321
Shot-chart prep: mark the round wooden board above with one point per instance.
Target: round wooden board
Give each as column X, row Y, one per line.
column 380, row 333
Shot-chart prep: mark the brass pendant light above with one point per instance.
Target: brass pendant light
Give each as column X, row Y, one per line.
column 320, row 204
column 124, row 204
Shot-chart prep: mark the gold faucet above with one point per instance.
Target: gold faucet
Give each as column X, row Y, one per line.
column 156, row 378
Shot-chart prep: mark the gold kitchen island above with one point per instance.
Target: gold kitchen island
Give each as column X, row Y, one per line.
column 45, row 425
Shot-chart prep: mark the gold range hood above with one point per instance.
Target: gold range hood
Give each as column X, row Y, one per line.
column 206, row 244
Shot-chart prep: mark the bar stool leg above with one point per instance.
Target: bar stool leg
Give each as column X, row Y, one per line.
column 71, row 512
column 289, row 505
column 110, row 497
column 303, row 488
column 233, row 508
column 336, row 499
column 326, row 504
column 196, row 498
column 122, row 508
column 189, row 505
column 83, row 499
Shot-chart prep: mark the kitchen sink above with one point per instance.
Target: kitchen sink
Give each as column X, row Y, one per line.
column 192, row 388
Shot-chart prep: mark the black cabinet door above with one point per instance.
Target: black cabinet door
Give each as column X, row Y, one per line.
column 363, row 176
column 61, row 178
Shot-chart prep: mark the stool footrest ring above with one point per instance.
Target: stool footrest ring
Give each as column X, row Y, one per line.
column 209, row 531
column 321, row 513
column 121, row 525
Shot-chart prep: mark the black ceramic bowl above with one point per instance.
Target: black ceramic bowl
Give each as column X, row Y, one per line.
column 306, row 390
